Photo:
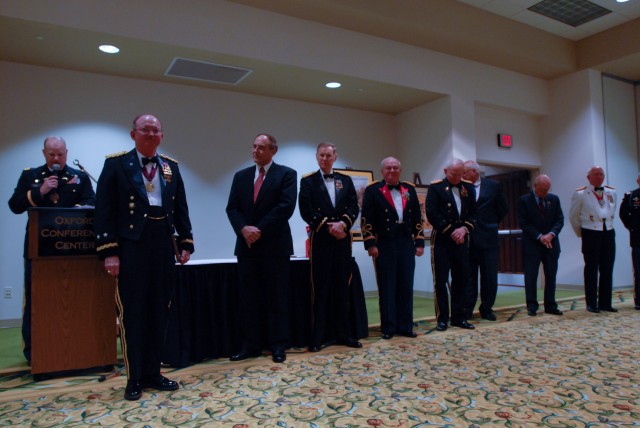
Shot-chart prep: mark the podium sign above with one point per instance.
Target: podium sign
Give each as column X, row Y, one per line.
column 63, row 232
column 73, row 311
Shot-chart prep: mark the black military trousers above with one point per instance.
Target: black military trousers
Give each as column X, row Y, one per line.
column 599, row 251
column 145, row 287
column 486, row 260
column 395, row 266
column 450, row 258
column 330, row 273
column 635, row 257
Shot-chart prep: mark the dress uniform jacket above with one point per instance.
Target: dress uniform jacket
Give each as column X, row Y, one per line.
column 396, row 243
column 447, row 256
column 630, row 216
column 74, row 189
column 330, row 257
column 587, row 212
column 123, row 206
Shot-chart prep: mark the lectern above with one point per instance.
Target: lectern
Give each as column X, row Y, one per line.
column 73, row 308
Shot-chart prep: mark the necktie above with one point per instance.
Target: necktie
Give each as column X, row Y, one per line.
column 325, row 176
column 541, row 206
column 391, row 187
column 598, row 188
column 147, row 160
column 258, row 184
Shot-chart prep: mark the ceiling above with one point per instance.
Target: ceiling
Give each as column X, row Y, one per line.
column 503, row 33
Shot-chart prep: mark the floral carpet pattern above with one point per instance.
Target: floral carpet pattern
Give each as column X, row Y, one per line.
column 576, row 370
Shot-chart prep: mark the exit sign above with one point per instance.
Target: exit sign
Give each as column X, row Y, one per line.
column 505, row 140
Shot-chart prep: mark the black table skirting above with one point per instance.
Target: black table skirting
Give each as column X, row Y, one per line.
column 202, row 317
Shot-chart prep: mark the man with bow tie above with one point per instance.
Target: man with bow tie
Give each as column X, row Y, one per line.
column 593, row 209
column 540, row 218
column 141, row 202
column 451, row 210
column 329, row 205
column 54, row 184
column 630, row 216
column 392, row 232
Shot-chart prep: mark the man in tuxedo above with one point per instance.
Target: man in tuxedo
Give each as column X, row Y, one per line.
column 630, row 216
column 141, row 202
column 540, row 218
column 53, row 184
column 392, row 232
column 329, row 204
column 451, row 210
column 593, row 209
column 261, row 201
column 491, row 206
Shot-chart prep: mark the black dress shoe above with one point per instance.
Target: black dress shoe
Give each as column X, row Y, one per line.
column 133, row 391
column 592, row 309
column 637, row 307
column 408, row 334
column 553, row 311
column 609, row 309
column 351, row 343
column 314, row 348
column 243, row 355
column 490, row 316
column 463, row 324
column 531, row 312
column 442, row 326
column 278, row 356
column 160, row 383
column 386, row 336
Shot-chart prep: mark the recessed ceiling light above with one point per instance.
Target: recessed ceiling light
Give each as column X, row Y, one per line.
column 333, row 85
column 39, row 37
column 110, row 49
column 622, row 1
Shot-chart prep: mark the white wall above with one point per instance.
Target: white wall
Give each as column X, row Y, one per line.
column 208, row 131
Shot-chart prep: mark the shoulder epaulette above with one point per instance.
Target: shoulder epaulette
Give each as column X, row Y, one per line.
column 168, row 158
column 409, row 183
column 309, row 174
column 581, row 188
column 115, row 155
column 375, row 182
column 466, row 181
column 610, row 187
column 27, row 169
column 436, row 181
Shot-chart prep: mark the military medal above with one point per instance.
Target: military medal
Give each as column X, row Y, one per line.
column 150, row 187
column 149, row 176
column 600, row 199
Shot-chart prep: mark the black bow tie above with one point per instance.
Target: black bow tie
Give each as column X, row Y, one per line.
column 147, row 160
column 327, row 176
column 391, row 187
column 598, row 188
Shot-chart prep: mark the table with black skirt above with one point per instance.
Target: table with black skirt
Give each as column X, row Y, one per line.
column 202, row 317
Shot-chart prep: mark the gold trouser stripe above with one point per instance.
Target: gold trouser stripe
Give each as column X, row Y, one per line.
column 123, row 336
column 434, row 235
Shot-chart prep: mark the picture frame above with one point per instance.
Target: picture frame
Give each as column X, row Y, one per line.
column 422, row 190
column 361, row 179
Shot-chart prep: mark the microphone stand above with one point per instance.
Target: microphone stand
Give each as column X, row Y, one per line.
column 77, row 163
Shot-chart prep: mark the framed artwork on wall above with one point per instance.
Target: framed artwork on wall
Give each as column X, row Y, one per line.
column 422, row 190
column 361, row 179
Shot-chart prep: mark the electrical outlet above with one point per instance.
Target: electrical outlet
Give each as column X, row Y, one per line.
column 8, row 292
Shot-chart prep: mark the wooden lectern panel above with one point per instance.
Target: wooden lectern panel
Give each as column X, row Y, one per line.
column 73, row 314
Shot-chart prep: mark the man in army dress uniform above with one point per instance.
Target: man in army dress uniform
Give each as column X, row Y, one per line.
column 329, row 205
column 51, row 185
column 593, row 209
column 630, row 216
column 392, row 233
column 141, row 202
column 451, row 210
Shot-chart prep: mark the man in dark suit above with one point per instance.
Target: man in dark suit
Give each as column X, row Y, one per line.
column 540, row 218
column 392, row 231
column 630, row 216
column 451, row 210
column 329, row 204
column 141, row 202
column 491, row 206
column 261, row 201
column 51, row 185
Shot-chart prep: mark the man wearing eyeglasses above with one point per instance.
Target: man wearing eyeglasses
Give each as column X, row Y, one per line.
column 141, row 202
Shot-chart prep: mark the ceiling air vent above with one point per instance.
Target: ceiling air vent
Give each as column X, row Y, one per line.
column 207, row 71
column 570, row 12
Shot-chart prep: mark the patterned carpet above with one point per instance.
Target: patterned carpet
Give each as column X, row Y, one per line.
column 578, row 370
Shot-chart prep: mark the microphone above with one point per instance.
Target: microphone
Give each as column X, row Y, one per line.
column 56, row 171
